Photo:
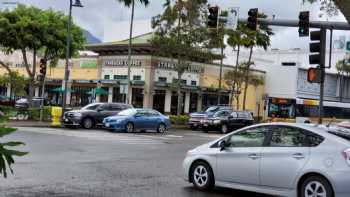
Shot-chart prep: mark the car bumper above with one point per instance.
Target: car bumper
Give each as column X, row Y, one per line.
column 186, row 165
column 70, row 121
column 114, row 126
column 340, row 182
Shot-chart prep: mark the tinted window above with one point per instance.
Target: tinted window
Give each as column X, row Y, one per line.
column 116, row 107
column 91, row 107
column 253, row 137
column 283, row 136
column 142, row 113
column 153, row 113
column 222, row 114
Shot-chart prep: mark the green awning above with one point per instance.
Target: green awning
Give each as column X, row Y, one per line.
column 60, row 90
column 99, row 91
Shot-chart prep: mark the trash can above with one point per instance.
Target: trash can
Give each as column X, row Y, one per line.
column 56, row 113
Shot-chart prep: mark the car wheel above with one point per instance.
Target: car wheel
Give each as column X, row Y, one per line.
column 88, row 123
column 129, row 128
column 202, row 176
column 224, row 129
column 161, row 128
column 316, row 186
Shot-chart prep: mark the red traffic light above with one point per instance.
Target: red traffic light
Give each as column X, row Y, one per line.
column 42, row 67
column 213, row 17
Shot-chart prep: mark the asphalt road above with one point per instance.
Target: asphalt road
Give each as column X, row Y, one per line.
column 80, row 163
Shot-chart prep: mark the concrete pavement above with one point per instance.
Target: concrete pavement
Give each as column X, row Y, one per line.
column 74, row 163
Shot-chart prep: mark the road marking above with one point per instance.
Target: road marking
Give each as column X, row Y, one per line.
column 97, row 135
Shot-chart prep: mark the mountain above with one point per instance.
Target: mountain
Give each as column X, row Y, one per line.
column 90, row 38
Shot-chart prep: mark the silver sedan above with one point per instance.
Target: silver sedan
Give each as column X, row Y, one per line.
column 276, row 158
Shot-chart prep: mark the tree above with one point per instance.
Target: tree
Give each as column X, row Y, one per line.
column 181, row 34
column 6, row 155
column 235, row 79
column 17, row 83
column 129, row 2
column 29, row 29
column 331, row 7
column 259, row 38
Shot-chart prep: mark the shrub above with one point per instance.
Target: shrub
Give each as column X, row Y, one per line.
column 182, row 120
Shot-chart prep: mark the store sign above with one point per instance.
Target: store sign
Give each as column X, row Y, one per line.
column 121, row 63
column 172, row 66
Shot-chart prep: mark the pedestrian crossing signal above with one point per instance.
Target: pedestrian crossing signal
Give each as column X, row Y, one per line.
column 314, row 75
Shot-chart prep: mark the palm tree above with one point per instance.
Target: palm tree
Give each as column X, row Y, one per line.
column 259, row 38
column 127, row 3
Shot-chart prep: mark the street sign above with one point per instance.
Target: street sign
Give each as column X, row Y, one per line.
column 348, row 46
column 123, row 89
column 232, row 18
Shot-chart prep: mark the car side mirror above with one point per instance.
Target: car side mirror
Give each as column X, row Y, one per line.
column 222, row 145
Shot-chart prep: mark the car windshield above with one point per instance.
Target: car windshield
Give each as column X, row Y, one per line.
column 91, row 106
column 127, row 112
column 211, row 109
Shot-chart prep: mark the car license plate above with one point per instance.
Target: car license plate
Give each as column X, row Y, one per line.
column 107, row 125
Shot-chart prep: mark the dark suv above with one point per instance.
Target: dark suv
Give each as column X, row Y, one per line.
column 226, row 121
column 92, row 114
column 197, row 117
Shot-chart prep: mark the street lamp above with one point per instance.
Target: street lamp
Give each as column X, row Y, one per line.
column 66, row 72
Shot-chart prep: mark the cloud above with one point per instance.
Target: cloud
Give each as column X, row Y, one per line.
column 109, row 19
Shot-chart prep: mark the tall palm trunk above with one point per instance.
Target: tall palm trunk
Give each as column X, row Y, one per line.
column 179, row 97
column 235, row 84
column 246, row 82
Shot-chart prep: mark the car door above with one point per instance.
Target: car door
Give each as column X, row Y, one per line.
column 141, row 119
column 285, row 155
column 153, row 119
column 239, row 163
column 104, row 111
column 233, row 121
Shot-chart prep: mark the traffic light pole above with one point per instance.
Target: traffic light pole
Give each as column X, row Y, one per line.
column 323, row 71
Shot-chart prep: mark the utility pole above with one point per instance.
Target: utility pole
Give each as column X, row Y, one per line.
column 323, row 72
column 128, row 95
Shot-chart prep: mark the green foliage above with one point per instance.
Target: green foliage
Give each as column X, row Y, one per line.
column 128, row 3
column 181, row 120
column 17, row 81
column 6, row 154
column 343, row 68
column 34, row 114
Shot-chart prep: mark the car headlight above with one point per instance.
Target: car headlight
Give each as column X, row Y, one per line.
column 77, row 115
column 216, row 121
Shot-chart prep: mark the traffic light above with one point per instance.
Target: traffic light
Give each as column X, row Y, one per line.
column 314, row 75
column 253, row 19
column 213, row 18
column 315, row 48
column 304, row 23
column 42, row 67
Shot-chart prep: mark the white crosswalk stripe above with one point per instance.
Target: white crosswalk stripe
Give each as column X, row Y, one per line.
column 124, row 138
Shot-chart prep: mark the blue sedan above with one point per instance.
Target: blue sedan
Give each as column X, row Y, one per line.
column 131, row 120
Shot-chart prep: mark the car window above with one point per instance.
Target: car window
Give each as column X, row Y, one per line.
column 283, row 136
column 153, row 113
column 234, row 115
column 142, row 113
column 116, row 107
column 221, row 114
column 91, row 106
column 254, row 137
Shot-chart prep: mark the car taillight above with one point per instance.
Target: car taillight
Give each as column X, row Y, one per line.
column 346, row 156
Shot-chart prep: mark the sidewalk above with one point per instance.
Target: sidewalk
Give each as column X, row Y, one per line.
column 27, row 123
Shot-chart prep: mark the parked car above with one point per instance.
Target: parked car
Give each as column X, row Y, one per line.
column 197, row 117
column 92, row 114
column 23, row 103
column 4, row 100
column 132, row 120
column 281, row 159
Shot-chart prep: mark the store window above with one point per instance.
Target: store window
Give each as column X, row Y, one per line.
column 137, row 97
column 107, row 77
column 162, row 79
column 137, row 78
column 193, row 83
column 159, row 100
column 120, row 77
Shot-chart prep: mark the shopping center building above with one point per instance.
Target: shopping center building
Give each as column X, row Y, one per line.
column 101, row 76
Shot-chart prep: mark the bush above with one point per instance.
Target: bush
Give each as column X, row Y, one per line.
column 182, row 120
column 34, row 113
column 31, row 113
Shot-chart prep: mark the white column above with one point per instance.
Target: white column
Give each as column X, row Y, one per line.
column 187, row 102
column 110, row 94
column 167, row 105
column 36, row 92
column 8, row 90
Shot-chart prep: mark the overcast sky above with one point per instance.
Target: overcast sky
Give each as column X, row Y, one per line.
column 109, row 20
